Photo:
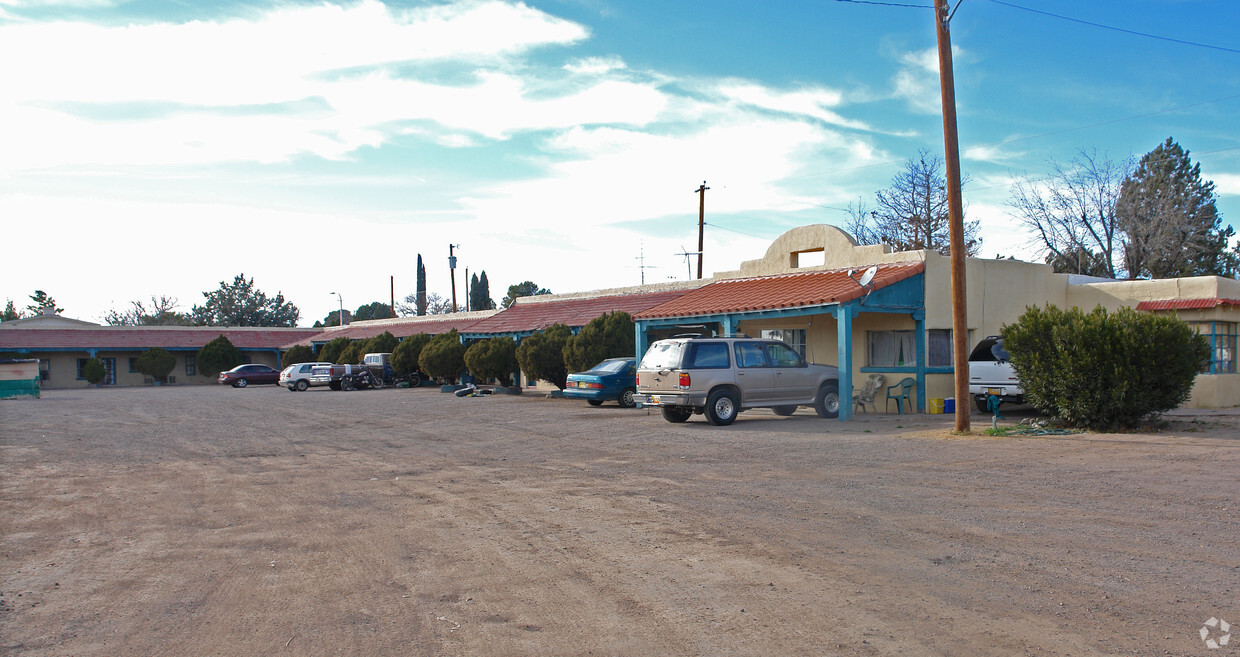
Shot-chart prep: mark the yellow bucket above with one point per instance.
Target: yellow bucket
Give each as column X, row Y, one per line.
column 936, row 406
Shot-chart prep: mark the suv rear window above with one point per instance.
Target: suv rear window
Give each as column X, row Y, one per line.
column 707, row 355
column 989, row 349
column 663, row 356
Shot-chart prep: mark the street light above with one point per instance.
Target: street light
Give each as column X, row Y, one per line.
column 341, row 307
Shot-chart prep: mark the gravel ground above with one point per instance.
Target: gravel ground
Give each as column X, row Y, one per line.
column 213, row 521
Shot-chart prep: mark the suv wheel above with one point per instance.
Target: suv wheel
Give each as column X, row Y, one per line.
column 301, row 385
column 721, row 408
column 827, row 404
column 785, row 410
column 674, row 414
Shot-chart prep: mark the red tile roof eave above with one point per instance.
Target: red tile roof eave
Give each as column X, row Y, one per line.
column 1186, row 304
column 697, row 302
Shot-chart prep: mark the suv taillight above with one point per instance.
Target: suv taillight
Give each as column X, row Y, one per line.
column 684, row 379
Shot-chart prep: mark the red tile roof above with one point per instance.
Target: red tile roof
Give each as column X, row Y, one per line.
column 402, row 327
column 529, row 314
column 802, row 289
column 136, row 338
column 1186, row 304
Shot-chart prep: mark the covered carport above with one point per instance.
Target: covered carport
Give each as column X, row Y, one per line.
column 840, row 296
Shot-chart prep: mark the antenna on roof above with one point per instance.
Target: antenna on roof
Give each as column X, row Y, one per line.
column 688, row 263
column 641, row 259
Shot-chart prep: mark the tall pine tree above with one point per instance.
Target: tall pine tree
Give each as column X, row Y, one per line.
column 1168, row 216
column 421, row 299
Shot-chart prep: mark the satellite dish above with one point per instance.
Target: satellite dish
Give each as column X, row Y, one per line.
column 867, row 276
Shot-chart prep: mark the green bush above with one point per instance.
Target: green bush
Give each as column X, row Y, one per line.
column 607, row 336
column 218, row 355
column 156, row 363
column 352, row 354
column 298, row 354
column 541, row 355
column 405, row 354
column 1104, row 371
column 495, row 358
column 443, row 357
column 384, row 343
column 94, row 371
column 331, row 351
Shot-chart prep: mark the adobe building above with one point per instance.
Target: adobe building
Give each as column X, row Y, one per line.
column 897, row 320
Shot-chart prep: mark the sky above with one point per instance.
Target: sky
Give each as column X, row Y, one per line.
column 160, row 148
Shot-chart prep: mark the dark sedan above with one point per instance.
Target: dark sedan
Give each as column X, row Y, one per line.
column 614, row 378
column 243, row 375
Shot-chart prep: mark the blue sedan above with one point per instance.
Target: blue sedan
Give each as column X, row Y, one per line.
column 614, row 378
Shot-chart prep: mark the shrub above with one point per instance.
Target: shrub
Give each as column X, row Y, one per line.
column 541, row 355
column 297, row 354
column 405, row 354
column 331, row 351
column 1104, row 371
column 353, row 353
column 384, row 343
column 495, row 358
column 94, row 371
column 443, row 357
column 218, row 355
column 156, row 363
column 608, row 336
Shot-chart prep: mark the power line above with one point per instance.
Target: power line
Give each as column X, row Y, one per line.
column 1117, row 29
column 885, row 4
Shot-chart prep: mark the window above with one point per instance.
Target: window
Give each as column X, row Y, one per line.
column 109, row 366
column 939, row 351
column 1222, row 338
column 191, row 364
column 133, row 366
column 45, row 369
column 708, row 355
column 782, row 356
column 891, row 348
column 899, row 348
column 794, row 337
column 750, row 354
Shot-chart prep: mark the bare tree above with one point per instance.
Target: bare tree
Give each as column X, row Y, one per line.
column 912, row 214
column 1072, row 213
column 162, row 312
column 860, row 223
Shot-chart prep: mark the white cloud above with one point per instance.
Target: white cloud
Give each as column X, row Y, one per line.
column 190, row 79
column 1227, row 184
column 917, row 81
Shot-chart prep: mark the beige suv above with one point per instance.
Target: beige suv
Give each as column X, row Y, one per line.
column 720, row 377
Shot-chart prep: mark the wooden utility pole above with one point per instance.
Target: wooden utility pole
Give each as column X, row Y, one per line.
column 701, row 191
column 392, row 308
column 955, row 214
column 452, row 273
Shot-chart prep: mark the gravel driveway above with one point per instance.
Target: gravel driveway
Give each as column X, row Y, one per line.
column 214, row 521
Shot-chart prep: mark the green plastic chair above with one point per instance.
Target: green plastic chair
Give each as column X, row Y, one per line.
column 906, row 388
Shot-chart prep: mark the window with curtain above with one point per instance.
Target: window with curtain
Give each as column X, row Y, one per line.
column 1222, row 338
column 891, row 348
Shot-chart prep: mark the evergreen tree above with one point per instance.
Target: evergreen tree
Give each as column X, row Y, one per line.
column 610, row 335
column 541, row 355
column 218, row 355
column 524, row 289
column 39, row 301
column 1170, row 221
column 480, row 293
column 240, row 304
column 421, row 291
column 10, row 312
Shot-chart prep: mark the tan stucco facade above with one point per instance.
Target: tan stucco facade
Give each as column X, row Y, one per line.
column 998, row 293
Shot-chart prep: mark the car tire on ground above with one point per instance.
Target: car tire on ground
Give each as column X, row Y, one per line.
column 721, row 408
column 594, row 402
column 827, row 403
column 240, row 383
column 626, row 398
column 785, row 410
column 675, row 415
column 301, row 385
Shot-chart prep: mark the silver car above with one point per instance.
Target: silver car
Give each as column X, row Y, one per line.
column 720, row 377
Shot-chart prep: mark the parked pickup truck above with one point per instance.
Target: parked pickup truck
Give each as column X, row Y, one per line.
column 374, row 371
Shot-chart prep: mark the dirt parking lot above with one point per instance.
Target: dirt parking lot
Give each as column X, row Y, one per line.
column 214, row 521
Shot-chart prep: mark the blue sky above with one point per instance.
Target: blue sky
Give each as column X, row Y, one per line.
column 158, row 148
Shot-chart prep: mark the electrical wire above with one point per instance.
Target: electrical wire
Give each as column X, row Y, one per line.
column 885, row 4
column 1117, row 29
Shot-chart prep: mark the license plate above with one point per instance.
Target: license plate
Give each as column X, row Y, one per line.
column 994, row 391
column 654, row 400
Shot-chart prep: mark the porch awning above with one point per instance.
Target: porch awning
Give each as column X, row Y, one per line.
column 780, row 292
